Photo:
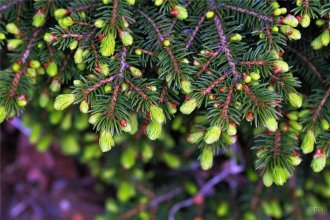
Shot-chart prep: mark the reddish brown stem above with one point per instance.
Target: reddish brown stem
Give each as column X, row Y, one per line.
column 137, row 89
column 253, row 97
column 320, row 105
column 113, row 102
column 98, row 84
column 206, row 65
column 114, row 12
column 224, row 113
column 213, row 84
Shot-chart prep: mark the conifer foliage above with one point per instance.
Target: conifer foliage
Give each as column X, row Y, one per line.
column 134, row 66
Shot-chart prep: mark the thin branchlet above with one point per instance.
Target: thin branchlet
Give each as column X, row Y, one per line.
column 137, row 89
column 194, row 33
column 319, row 107
column 213, row 84
column 209, row 61
column 98, row 84
column 113, row 101
column 253, row 97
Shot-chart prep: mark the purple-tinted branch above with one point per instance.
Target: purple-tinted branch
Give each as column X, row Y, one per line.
column 193, row 34
column 28, row 49
column 246, row 11
column 122, row 61
column 231, row 167
column 224, row 45
column 154, row 26
column 9, row 4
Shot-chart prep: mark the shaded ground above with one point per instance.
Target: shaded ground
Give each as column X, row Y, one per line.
column 36, row 186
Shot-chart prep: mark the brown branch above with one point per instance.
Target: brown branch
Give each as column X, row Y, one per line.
column 310, row 64
column 246, row 11
column 174, row 61
column 251, row 63
column 207, row 64
column 163, row 93
column 253, row 97
column 14, row 83
column 148, row 52
column 114, row 12
column 153, row 203
column 213, row 84
column 224, row 45
column 113, row 101
column 277, row 143
column 98, row 84
column 74, row 35
column 224, row 113
column 137, row 89
column 320, row 105
column 269, row 36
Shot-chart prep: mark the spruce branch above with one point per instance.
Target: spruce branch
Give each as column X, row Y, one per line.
column 194, row 33
column 112, row 103
column 208, row 62
column 10, row 3
column 318, row 109
column 114, row 12
column 225, row 108
column 163, row 92
column 98, row 84
column 137, row 89
column 224, row 45
column 213, row 84
column 17, row 77
column 247, row 11
column 277, row 143
column 253, row 97
column 308, row 62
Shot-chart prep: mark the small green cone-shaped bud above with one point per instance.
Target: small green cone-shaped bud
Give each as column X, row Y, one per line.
column 295, row 35
column 255, row 76
column 35, row 64
column 12, row 44
column 325, row 37
column 320, row 22
column 107, row 88
column 78, row 58
column 247, row 79
column 63, row 101
column 126, row 38
column 171, row 107
column 134, row 124
column 291, row 20
column 212, row 134
column 106, row 141
column 154, row 130
column 59, row 13
column 43, row 100
column 305, row 21
column 39, row 19
column 206, row 159
column 16, row 67
column 12, row 28
column 55, row 86
column 295, row 125
column 316, row 44
column 308, row 141
column 166, row 43
column 267, row 179
column 236, row 37
column 271, row 124
column 293, row 116
column 130, row 2
column 159, row 2
column 325, row 124
column 194, row 137
column 128, row 158
column 146, row 152
column 125, row 191
column 44, row 143
column 65, row 22
column 52, row 69
column 209, row 14
column 73, row 45
column 94, row 118
column 275, row 4
column 319, row 161
column 125, row 126
column 171, row 160
column 135, row 72
column 21, row 100
column 188, row 106
column 231, row 130
column 282, row 65
column 31, row 72
column 157, row 114
column 66, row 122
column 186, row 87
column 3, row 114
column 69, row 145
column 295, row 160
column 2, row 36
column 77, row 82
column 280, row 175
column 108, row 44
column 84, row 107
column 104, row 69
column 99, row 23
column 182, row 12
column 277, row 12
